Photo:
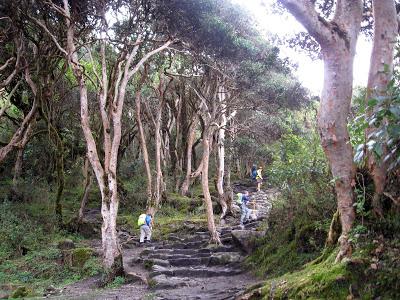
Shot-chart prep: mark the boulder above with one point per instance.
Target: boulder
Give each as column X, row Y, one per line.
column 77, row 257
column 246, row 239
column 225, row 258
column 165, row 282
column 131, row 277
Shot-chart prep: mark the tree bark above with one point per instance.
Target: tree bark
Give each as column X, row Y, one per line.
column 20, row 156
column 337, row 39
column 206, row 191
column 380, row 73
column 143, row 145
column 158, row 188
column 87, row 184
column 192, row 136
column 221, row 152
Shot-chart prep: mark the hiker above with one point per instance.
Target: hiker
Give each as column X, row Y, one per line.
column 259, row 178
column 244, row 209
column 254, row 172
column 145, row 223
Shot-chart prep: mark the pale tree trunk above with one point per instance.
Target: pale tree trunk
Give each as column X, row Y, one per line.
column 334, row 109
column 192, row 136
column 206, row 191
column 337, row 39
column 221, row 152
column 380, row 73
column 111, row 120
column 159, row 176
column 87, row 184
column 143, row 145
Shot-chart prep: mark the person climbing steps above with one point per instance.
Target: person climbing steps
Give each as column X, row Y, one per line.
column 145, row 222
column 259, row 178
column 245, row 211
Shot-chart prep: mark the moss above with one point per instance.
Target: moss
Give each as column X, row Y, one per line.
column 20, row 292
column 277, row 254
column 151, row 283
column 148, row 264
column 316, row 281
column 80, row 256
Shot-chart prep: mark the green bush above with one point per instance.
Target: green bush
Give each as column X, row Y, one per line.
column 19, row 233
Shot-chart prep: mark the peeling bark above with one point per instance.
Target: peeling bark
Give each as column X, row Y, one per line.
column 337, row 39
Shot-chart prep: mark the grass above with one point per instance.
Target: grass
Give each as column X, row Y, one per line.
column 372, row 272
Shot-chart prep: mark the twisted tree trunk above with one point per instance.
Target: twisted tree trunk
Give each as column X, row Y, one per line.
column 337, row 38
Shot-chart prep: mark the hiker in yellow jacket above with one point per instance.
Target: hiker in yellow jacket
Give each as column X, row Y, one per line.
column 145, row 223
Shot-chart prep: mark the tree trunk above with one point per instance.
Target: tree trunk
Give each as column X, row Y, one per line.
column 221, row 152
column 60, row 182
column 206, row 191
column 380, row 73
column 143, row 145
column 87, row 184
column 192, row 136
column 337, row 38
column 159, row 176
column 332, row 122
column 20, row 156
column 112, row 254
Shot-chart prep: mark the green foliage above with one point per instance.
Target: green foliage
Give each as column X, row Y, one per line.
column 300, row 169
column 383, row 114
column 17, row 232
column 118, row 281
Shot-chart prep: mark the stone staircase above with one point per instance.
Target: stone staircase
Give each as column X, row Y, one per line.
column 188, row 267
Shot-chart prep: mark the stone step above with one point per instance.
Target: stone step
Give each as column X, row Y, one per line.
column 184, row 245
column 200, row 271
column 189, row 261
column 209, row 250
column 175, row 256
column 213, row 260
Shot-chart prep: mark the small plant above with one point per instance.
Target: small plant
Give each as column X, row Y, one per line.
column 118, row 281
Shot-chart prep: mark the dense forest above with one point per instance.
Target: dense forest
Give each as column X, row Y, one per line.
column 111, row 109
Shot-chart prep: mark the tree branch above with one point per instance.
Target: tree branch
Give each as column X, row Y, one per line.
column 305, row 13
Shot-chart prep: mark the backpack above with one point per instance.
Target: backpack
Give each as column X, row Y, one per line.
column 239, row 199
column 142, row 220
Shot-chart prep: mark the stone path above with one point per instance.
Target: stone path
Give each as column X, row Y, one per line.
column 187, row 267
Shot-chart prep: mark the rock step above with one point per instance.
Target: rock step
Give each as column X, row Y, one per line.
column 199, row 272
column 173, row 256
column 213, row 260
column 219, row 249
column 183, row 245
